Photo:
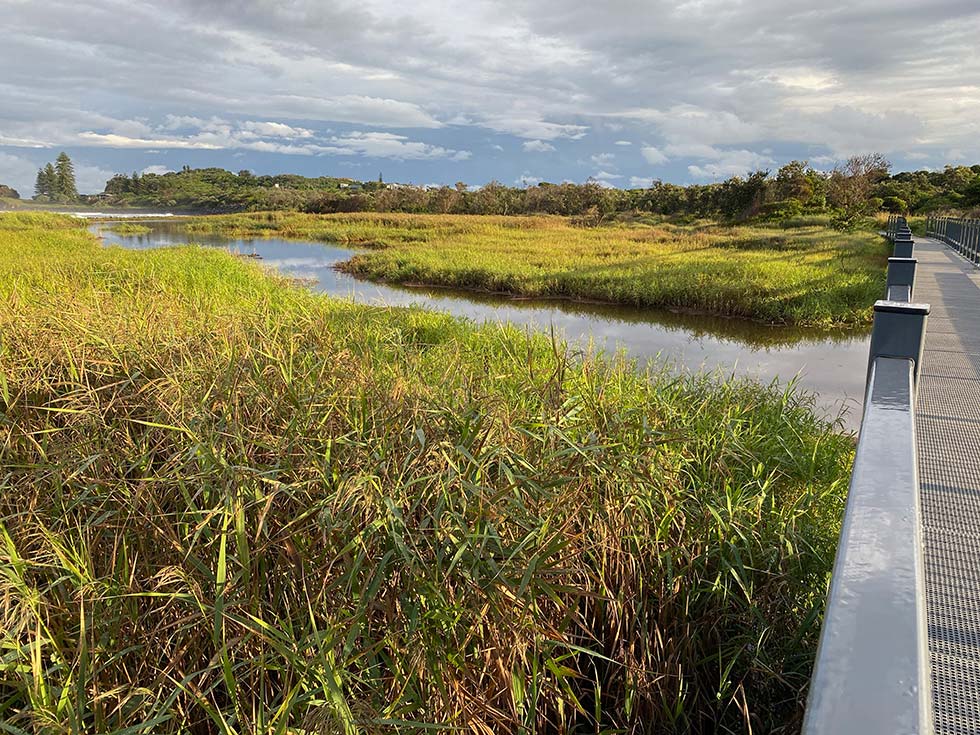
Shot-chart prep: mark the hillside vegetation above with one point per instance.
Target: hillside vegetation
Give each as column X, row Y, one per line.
column 806, row 274
column 853, row 190
column 230, row 506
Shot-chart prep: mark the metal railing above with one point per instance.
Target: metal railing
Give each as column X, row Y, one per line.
column 962, row 235
column 871, row 675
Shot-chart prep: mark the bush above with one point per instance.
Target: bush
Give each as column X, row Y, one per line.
column 782, row 210
column 895, row 205
column 844, row 220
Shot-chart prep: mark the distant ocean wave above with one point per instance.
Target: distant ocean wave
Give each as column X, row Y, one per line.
column 121, row 215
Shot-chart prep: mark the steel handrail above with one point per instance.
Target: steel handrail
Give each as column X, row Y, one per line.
column 872, row 671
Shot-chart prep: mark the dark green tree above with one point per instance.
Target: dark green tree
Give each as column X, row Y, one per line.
column 66, row 191
column 46, row 184
column 40, row 185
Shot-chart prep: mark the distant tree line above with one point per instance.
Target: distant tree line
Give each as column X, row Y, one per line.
column 56, row 181
column 855, row 188
column 218, row 190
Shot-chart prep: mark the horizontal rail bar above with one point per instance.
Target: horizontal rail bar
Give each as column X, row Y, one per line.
column 872, row 672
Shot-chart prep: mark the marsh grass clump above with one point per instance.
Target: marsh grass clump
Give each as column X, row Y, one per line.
column 804, row 274
column 130, row 228
column 231, row 506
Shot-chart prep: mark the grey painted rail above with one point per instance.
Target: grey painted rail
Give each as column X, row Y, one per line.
column 872, row 673
column 900, row 645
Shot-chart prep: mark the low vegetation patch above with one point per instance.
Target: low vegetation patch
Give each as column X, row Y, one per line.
column 228, row 505
column 806, row 275
column 130, row 228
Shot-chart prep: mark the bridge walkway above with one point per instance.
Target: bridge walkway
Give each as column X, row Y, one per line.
column 948, row 439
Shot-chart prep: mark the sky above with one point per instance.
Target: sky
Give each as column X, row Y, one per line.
column 520, row 91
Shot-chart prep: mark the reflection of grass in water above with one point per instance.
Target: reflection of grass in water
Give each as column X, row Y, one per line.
column 733, row 330
column 803, row 275
column 226, row 500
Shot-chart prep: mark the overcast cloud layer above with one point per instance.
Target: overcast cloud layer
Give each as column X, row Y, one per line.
column 435, row 91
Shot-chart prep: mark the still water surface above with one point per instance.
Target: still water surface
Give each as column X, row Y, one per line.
column 830, row 364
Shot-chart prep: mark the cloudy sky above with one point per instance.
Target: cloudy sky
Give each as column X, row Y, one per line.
column 435, row 91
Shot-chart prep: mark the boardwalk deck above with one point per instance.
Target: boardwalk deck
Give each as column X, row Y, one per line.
column 948, row 435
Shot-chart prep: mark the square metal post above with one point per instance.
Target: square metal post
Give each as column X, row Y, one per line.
column 901, row 279
column 903, row 248
column 899, row 331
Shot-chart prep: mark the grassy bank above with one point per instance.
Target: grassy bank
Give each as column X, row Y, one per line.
column 808, row 275
column 231, row 506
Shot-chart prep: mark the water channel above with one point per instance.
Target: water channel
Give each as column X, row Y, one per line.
column 831, row 365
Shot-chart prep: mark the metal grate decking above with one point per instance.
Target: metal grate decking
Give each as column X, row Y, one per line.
column 948, row 433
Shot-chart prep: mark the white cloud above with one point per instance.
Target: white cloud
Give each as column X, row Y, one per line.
column 18, row 173
column 653, row 155
column 91, row 179
column 692, row 150
column 730, row 163
column 640, row 182
column 191, row 133
column 159, row 170
column 537, row 146
column 622, row 142
column 111, row 140
column 535, row 129
column 275, row 130
column 389, row 145
column 687, row 123
column 354, row 108
column 603, row 159
column 606, row 176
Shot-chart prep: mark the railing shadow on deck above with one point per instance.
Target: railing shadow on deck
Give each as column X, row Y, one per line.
column 871, row 674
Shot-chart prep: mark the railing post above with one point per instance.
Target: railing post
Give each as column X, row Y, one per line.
column 903, row 246
column 899, row 330
column 974, row 241
column 971, row 254
column 900, row 279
